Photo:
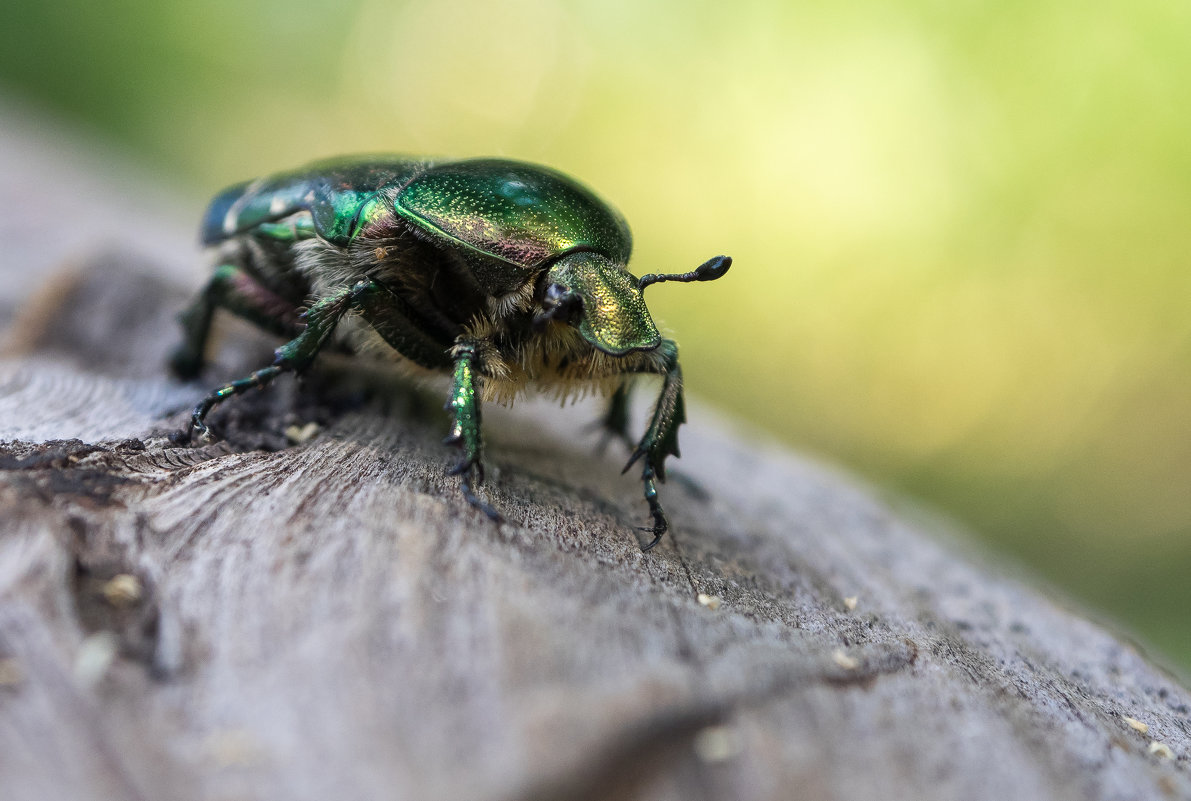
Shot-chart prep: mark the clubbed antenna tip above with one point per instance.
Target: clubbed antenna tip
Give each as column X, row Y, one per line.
column 707, row 271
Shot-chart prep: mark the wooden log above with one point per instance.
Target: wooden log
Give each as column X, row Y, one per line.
column 271, row 619
column 302, row 612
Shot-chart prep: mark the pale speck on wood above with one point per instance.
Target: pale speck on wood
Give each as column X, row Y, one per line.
column 844, row 660
column 94, row 657
column 717, row 743
column 1135, row 724
column 229, row 748
column 11, row 673
column 298, row 435
column 122, row 590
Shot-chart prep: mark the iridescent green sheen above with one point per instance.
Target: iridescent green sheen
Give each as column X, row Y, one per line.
column 472, row 267
column 521, row 213
column 332, row 191
column 465, row 408
column 462, row 404
column 615, row 318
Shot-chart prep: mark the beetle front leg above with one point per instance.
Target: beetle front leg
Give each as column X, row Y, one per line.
column 661, row 438
column 465, row 428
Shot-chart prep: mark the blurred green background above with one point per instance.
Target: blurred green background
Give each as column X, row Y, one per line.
column 962, row 230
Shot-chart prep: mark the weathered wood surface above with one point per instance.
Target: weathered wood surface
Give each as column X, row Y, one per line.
column 328, row 619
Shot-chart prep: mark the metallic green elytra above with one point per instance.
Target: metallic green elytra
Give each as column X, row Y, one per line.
column 503, row 274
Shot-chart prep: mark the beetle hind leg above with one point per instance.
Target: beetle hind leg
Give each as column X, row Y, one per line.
column 186, row 360
column 295, row 355
column 234, row 289
column 257, row 380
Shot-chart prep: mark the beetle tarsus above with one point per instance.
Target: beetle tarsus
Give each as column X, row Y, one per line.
column 660, row 524
column 657, row 532
column 476, row 502
column 468, row 466
column 465, row 470
column 200, row 430
column 256, row 380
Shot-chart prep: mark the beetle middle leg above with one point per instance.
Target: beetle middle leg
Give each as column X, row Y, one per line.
column 615, row 422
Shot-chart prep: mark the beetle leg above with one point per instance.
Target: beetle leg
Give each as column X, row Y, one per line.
column 465, row 429
column 661, row 438
column 295, row 355
column 398, row 324
column 392, row 318
column 230, row 288
column 615, row 422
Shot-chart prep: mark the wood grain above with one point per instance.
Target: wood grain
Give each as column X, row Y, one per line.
column 328, row 619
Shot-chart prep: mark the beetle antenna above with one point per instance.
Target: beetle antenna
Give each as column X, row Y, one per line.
column 707, row 271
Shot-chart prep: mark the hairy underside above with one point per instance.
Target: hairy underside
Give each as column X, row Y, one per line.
column 513, row 357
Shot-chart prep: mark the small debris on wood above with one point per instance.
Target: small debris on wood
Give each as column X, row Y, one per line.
column 841, row 658
column 234, row 748
column 11, row 672
column 123, row 590
column 717, row 743
column 1161, row 750
column 850, row 602
column 95, row 656
column 299, row 434
column 1136, row 724
column 712, row 602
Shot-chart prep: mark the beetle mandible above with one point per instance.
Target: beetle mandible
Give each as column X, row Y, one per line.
column 502, row 273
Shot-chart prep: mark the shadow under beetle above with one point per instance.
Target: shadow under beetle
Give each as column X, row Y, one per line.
column 499, row 272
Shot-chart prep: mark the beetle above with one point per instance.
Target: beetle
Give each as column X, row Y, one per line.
column 501, row 273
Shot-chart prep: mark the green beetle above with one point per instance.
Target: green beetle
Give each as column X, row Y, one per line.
column 502, row 273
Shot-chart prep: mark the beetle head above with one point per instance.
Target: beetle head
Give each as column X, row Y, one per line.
column 602, row 300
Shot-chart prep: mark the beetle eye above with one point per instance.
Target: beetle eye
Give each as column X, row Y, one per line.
column 559, row 303
column 554, row 295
